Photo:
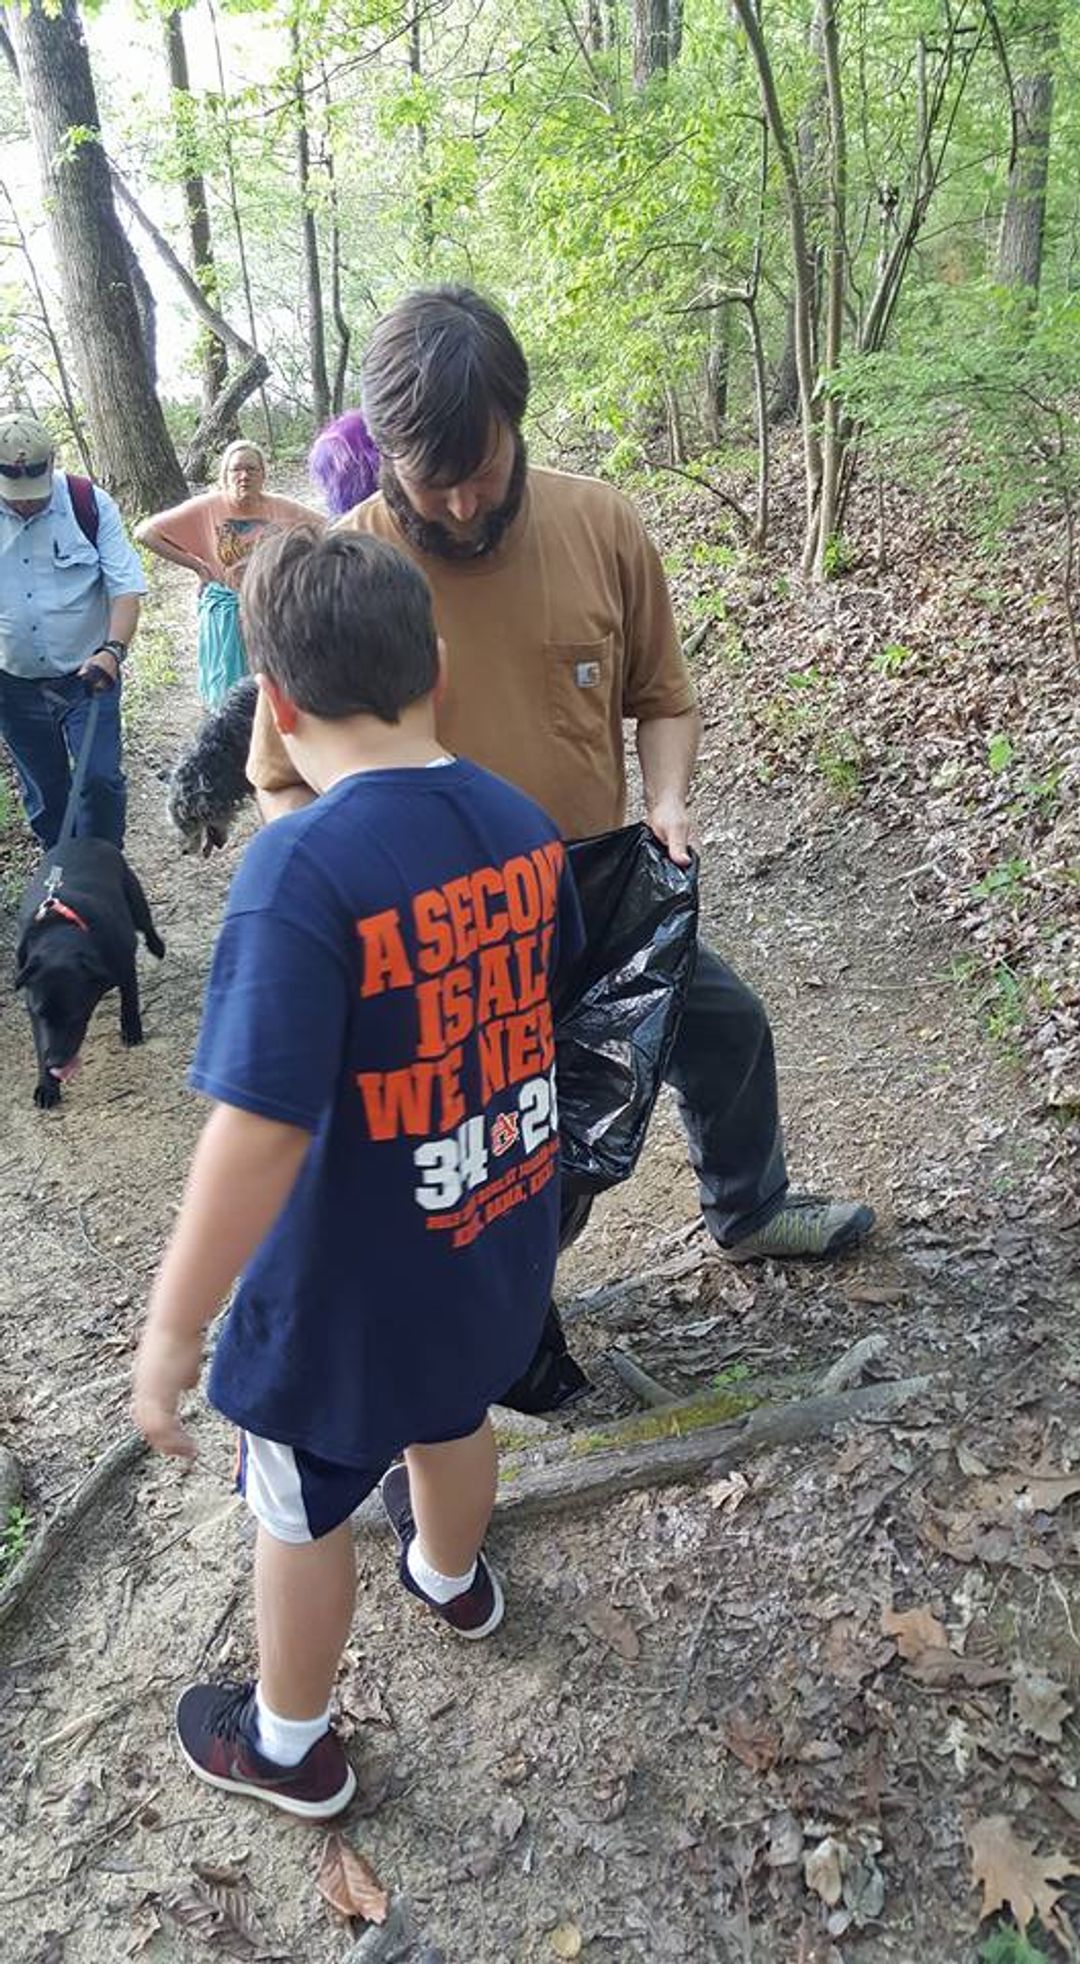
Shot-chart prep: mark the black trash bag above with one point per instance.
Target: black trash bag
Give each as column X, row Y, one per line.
column 617, row 1011
column 553, row 1379
column 616, row 1016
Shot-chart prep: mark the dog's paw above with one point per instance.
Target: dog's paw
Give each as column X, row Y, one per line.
column 46, row 1093
column 130, row 1035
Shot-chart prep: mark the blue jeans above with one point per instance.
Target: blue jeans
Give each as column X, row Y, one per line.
column 43, row 724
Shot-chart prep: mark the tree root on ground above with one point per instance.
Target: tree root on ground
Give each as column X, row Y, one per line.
column 55, row 1531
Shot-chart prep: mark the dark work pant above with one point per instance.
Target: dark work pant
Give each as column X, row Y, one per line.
column 723, row 1073
column 43, row 724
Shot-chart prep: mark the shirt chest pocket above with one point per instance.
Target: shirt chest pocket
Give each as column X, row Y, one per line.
column 580, row 686
column 75, row 554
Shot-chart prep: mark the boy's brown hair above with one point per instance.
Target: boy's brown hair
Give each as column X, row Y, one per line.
column 340, row 621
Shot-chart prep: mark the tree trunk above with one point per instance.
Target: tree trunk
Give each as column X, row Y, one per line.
column 238, row 228
column 220, row 418
column 761, row 418
column 676, row 15
column 213, row 358
column 784, row 400
column 427, row 208
column 673, row 417
column 784, row 397
column 337, row 311
column 801, row 260
column 134, row 451
column 939, row 94
column 652, row 43
column 67, row 393
column 146, row 306
column 320, row 382
column 717, row 373
column 1020, row 246
column 835, row 280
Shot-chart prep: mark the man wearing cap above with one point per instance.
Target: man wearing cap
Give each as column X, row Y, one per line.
column 70, row 586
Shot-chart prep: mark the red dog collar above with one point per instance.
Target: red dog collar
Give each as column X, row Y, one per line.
column 66, row 913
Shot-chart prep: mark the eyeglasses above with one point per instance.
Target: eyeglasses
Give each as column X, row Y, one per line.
column 26, row 470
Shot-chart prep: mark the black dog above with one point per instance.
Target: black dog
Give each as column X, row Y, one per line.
column 208, row 786
column 77, row 930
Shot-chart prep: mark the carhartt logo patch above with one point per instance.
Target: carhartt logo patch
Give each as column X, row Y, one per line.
column 587, row 674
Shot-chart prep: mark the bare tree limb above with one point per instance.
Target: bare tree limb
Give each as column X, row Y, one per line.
column 192, row 290
column 1002, row 53
column 703, row 483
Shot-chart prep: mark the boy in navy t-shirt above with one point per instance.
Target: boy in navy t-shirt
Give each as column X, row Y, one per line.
column 381, row 1164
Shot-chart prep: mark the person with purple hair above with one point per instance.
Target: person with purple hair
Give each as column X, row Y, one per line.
column 344, row 463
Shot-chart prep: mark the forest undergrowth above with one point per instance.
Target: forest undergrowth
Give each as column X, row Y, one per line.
column 931, row 684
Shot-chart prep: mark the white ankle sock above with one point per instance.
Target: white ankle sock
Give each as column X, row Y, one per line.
column 285, row 1741
column 441, row 1588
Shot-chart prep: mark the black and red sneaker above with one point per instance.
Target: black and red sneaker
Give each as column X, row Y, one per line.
column 217, row 1727
column 479, row 1608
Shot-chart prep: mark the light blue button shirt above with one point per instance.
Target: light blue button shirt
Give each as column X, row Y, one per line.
column 55, row 587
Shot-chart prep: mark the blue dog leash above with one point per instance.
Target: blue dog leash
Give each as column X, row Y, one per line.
column 67, row 829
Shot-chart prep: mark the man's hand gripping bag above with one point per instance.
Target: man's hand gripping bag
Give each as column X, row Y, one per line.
column 617, row 1011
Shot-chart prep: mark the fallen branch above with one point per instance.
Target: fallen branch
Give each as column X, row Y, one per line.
column 696, row 1641
column 720, row 1401
column 696, row 639
column 193, row 293
column 49, row 1539
column 647, row 1390
column 597, row 1302
column 849, row 1368
column 607, row 1472
column 391, row 1942
column 739, row 512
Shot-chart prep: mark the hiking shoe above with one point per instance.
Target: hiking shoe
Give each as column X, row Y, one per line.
column 479, row 1608
column 217, row 1727
column 808, row 1227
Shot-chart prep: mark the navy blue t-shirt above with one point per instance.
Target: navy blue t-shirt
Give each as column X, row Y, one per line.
column 383, row 979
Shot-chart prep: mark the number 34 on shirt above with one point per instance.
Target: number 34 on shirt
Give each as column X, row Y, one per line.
column 449, row 1169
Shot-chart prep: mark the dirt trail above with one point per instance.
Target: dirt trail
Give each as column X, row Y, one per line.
column 691, row 1690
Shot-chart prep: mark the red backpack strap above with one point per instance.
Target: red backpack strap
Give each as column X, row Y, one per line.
column 84, row 504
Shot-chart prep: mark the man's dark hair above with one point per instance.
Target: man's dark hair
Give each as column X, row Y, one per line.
column 341, row 622
column 439, row 367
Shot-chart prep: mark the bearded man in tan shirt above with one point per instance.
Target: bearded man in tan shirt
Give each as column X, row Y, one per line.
column 557, row 620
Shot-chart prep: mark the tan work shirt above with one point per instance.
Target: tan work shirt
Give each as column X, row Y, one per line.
column 552, row 639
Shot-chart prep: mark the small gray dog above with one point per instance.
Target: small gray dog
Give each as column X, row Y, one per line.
column 209, row 786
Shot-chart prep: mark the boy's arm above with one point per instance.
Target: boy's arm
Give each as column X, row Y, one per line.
column 278, row 786
column 242, row 1174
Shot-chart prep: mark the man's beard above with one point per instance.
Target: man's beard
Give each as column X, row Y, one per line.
column 429, row 536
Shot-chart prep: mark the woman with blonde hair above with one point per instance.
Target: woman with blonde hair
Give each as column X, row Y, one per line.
column 212, row 535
